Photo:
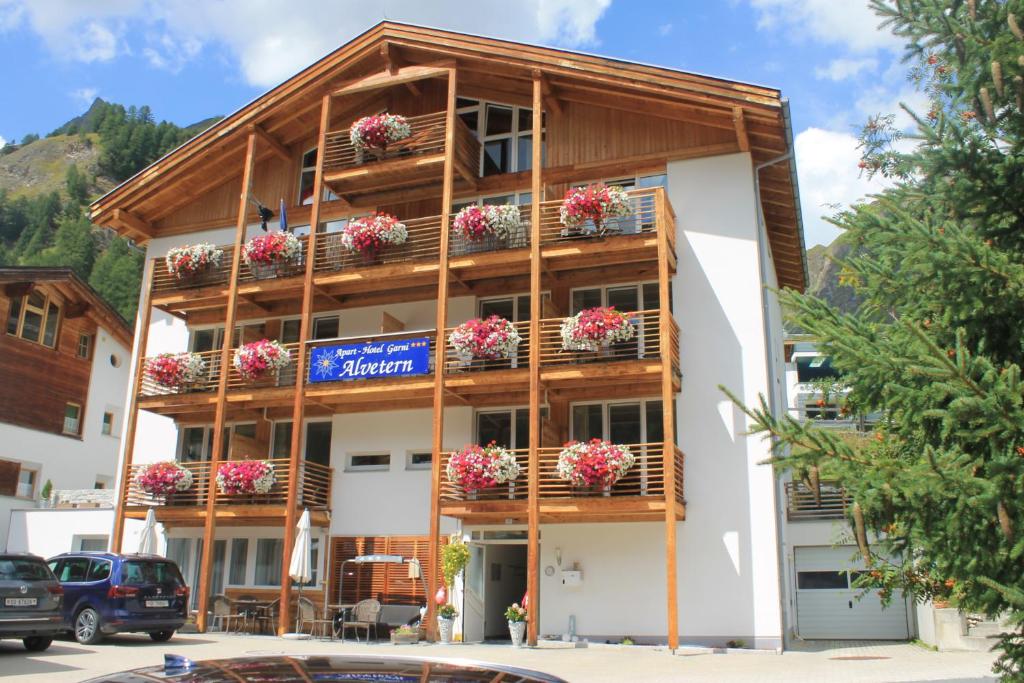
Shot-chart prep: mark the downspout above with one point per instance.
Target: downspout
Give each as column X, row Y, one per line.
column 763, row 250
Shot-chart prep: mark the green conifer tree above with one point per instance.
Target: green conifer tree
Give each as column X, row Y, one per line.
column 116, row 276
column 937, row 342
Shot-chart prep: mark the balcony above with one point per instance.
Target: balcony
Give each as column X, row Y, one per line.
column 188, row 508
column 802, row 504
column 639, row 496
column 416, row 161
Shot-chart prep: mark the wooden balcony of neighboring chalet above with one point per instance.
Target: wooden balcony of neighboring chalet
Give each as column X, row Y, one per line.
column 637, row 497
column 803, row 503
column 188, row 508
column 630, row 369
column 409, row 271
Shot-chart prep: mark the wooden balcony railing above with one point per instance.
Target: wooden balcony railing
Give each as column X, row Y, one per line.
column 802, row 503
column 314, row 487
column 650, row 211
column 645, row 345
column 211, row 376
column 520, row 359
column 427, row 138
column 645, row 478
column 423, row 243
column 293, row 268
column 164, row 282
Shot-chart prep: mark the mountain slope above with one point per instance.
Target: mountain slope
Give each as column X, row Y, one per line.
column 41, row 166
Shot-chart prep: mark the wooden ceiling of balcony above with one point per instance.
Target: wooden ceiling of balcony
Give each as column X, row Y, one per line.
column 733, row 116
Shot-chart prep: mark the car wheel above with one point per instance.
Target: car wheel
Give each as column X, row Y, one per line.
column 36, row 643
column 87, row 627
column 161, row 636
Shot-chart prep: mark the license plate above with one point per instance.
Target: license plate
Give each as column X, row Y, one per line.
column 20, row 602
column 157, row 603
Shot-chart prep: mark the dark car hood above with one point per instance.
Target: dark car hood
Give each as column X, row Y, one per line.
column 307, row 668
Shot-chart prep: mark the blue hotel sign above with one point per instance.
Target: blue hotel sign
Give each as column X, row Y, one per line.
column 370, row 360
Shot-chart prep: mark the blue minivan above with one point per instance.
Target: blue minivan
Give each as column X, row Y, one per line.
column 107, row 593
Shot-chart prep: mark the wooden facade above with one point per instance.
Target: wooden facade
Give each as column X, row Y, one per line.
column 599, row 119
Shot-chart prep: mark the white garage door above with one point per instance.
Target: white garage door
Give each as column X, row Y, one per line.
column 827, row 606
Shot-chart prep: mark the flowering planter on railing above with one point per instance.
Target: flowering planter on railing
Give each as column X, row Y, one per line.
column 482, row 467
column 260, row 359
column 272, row 254
column 176, row 370
column 592, row 328
column 245, row 477
column 163, row 479
column 374, row 133
column 492, row 338
column 487, row 227
column 594, row 465
column 369, row 235
column 596, row 204
column 194, row 263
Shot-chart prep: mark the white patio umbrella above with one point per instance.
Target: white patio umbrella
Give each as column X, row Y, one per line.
column 300, row 567
column 147, row 537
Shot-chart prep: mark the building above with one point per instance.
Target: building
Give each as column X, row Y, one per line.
column 66, row 361
column 683, row 548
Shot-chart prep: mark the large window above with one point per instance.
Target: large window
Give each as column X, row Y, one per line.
column 268, row 561
column 239, row 561
column 505, row 133
column 632, row 422
column 35, row 318
column 307, row 176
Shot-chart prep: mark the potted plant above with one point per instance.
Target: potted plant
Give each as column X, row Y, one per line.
column 245, row 477
column 594, row 464
column 176, row 370
column 481, row 467
column 369, row 235
column 488, row 226
column 446, row 622
column 595, row 203
column 193, row 262
column 45, row 493
column 163, row 478
column 454, row 558
column 405, row 635
column 485, row 339
column 592, row 328
column 375, row 133
column 516, row 616
column 270, row 255
column 258, row 359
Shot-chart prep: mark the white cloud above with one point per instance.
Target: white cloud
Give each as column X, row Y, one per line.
column 839, row 22
column 271, row 40
column 826, row 163
column 841, row 69
column 2, row 142
column 84, row 95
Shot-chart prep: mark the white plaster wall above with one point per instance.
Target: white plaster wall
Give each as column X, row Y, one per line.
column 728, row 546
column 50, row 532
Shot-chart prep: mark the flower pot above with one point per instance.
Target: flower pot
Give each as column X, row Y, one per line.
column 369, row 258
column 405, row 638
column 517, row 629
column 445, row 630
column 197, row 278
column 263, row 271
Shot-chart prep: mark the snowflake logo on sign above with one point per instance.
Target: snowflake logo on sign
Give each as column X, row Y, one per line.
column 325, row 365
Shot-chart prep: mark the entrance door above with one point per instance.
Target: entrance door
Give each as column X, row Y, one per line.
column 495, row 578
column 474, row 598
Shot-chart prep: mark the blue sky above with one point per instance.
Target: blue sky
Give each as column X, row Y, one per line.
column 190, row 59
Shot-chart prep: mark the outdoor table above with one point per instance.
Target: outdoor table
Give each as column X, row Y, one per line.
column 338, row 609
column 252, row 609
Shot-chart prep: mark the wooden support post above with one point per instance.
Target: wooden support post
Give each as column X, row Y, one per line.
column 439, row 358
column 210, row 526
column 667, row 418
column 298, row 407
column 533, row 473
column 145, row 311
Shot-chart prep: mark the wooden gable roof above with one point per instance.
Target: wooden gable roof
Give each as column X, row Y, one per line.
column 501, row 70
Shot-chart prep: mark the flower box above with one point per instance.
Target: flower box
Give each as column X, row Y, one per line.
column 591, row 328
column 369, row 235
column 375, row 133
column 596, row 203
column 491, row 338
column 405, row 635
column 260, row 359
column 194, row 263
column 164, row 478
column 487, row 227
column 272, row 255
column 241, row 477
column 482, row 467
column 594, row 464
column 176, row 370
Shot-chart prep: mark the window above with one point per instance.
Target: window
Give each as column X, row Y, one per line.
column 72, row 418
column 318, row 443
column 99, row 570
column 268, row 561
column 326, row 327
column 84, row 344
column 92, row 544
column 34, row 318
column 26, row 483
column 140, row 572
column 505, row 133
column 115, row 360
column 418, row 460
column 307, row 177
column 359, row 462
column 822, row 580
column 633, row 422
column 810, row 368
column 73, row 569
column 507, row 428
column 239, row 561
column 108, row 423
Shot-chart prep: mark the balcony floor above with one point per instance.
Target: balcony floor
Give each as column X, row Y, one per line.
column 563, row 510
column 227, row 515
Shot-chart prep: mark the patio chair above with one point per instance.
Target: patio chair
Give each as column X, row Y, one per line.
column 308, row 616
column 224, row 614
column 365, row 614
column 248, row 612
column 266, row 618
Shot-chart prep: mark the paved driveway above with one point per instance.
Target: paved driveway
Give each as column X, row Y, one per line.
column 66, row 660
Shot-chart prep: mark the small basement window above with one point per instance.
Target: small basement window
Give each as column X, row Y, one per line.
column 108, row 423
column 418, row 460
column 366, row 462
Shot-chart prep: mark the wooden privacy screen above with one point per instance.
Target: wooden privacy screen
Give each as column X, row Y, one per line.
column 389, row 583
